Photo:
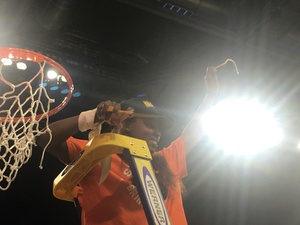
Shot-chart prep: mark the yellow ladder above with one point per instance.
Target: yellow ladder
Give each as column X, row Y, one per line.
column 102, row 147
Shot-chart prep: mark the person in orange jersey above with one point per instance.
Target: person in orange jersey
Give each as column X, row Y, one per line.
column 116, row 200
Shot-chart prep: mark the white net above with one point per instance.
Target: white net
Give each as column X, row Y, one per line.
column 24, row 112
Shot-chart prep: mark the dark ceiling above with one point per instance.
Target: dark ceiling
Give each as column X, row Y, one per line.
column 120, row 49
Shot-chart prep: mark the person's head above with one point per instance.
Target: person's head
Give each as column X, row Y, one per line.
column 146, row 124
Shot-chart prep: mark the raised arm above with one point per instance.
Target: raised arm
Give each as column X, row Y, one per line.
column 194, row 130
column 63, row 129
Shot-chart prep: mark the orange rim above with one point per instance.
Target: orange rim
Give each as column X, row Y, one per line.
column 23, row 54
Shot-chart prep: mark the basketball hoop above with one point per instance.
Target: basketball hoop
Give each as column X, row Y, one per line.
column 26, row 103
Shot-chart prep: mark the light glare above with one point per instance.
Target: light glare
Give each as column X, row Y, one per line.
column 63, row 79
column 21, row 66
column 6, row 62
column 241, row 127
column 51, row 74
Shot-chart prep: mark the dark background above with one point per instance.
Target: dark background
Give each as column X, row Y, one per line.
column 120, row 49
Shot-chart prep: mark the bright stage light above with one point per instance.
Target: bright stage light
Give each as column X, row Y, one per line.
column 6, row 62
column 242, row 127
column 51, row 74
column 21, row 66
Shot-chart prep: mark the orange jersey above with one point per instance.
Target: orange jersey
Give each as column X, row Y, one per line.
column 116, row 200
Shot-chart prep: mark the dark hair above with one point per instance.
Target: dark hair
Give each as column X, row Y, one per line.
column 164, row 174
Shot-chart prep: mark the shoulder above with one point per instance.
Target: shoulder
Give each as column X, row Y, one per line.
column 176, row 145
